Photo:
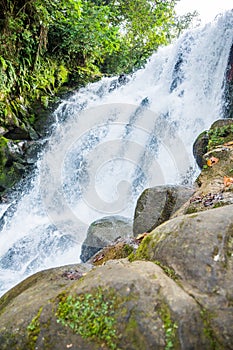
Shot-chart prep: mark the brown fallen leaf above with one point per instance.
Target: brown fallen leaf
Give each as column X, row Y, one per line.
column 212, row 160
column 98, row 257
column 228, row 181
column 140, row 236
column 230, row 143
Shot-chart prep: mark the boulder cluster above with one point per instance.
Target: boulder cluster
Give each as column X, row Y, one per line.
column 161, row 282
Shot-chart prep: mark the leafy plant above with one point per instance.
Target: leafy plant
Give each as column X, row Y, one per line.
column 91, row 315
column 170, row 328
column 219, row 135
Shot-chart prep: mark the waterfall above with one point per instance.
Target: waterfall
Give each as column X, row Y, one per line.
column 111, row 140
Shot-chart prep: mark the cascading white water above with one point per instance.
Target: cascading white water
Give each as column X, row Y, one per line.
column 111, row 140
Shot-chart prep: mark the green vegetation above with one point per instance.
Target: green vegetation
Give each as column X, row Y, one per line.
column 91, row 315
column 34, row 329
column 192, row 209
column 208, row 330
column 142, row 253
column 48, row 47
column 220, row 135
column 170, row 328
column 169, row 271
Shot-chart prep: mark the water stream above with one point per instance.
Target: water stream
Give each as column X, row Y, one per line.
column 111, row 140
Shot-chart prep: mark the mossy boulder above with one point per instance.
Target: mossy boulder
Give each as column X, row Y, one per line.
column 220, row 132
column 198, row 248
column 143, row 308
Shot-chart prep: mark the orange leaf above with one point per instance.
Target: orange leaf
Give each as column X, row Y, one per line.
column 140, row 236
column 230, row 143
column 212, row 160
column 228, row 181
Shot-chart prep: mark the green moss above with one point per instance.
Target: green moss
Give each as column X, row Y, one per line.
column 169, row 271
column 34, row 330
column 142, row 253
column 127, row 249
column 170, row 328
column 208, row 330
column 220, row 135
column 132, row 333
column 192, row 209
column 219, row 205
column 90, row 315
column 9, row 341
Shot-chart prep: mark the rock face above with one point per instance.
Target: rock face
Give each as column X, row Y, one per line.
column 199, row 249
column 102, row 232
column 17, row 159
column 20, row 144
column 150, row 312
column 157, row 204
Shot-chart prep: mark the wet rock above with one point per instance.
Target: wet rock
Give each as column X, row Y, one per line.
column 228, row 93
column 200, row 148
column 11, row 163
column 31, row 151
column 102, row 232
column 116, row 83
column 157, row 204
column 16, row 160
column 21, row 133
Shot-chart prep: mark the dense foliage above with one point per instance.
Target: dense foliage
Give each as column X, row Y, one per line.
column 49, row 45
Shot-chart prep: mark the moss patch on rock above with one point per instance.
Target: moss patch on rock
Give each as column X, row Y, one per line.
column 219, row 134
column 170, row 328
column 118, row 250
column 208, row 330
column 91, row 315
column 34, row 330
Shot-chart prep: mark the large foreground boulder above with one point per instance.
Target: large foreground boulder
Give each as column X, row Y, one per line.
column 119, row 305
column 198, row 250
column 103, row 232
column 157, row 204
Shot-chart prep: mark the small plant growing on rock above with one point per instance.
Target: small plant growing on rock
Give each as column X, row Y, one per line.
column 90, row 315
column 170, row 328
column 219, row 135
